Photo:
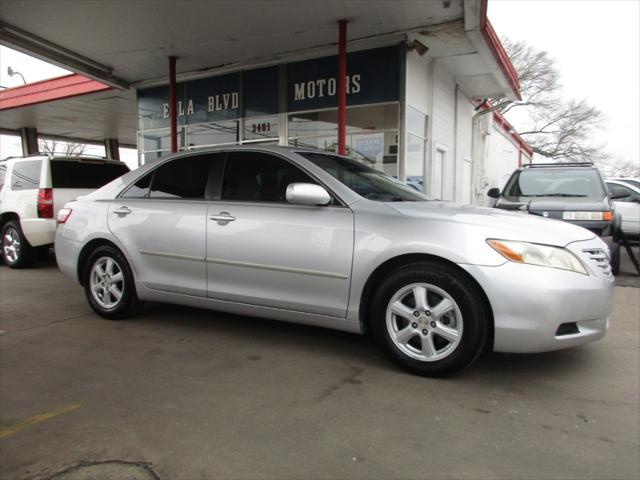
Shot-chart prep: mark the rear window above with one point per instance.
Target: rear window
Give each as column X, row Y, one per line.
column 72, row 174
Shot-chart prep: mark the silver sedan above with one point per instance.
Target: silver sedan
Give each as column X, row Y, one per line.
column 315, row 238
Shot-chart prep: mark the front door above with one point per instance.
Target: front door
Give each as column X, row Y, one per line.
column 263, row 251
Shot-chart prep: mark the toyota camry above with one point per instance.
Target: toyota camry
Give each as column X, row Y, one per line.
column 316, row 238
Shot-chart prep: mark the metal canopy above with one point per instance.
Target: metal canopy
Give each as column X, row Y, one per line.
column 130, row 41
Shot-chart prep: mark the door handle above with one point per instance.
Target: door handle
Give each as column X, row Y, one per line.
column 222, row 218
column 122, row 211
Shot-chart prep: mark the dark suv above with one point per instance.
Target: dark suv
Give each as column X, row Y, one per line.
column 574, row 192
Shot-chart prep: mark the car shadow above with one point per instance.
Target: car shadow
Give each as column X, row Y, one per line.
column 490, row 368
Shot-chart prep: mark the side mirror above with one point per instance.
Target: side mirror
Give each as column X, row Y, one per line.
column 307, row 194
column 618, row 192
column 493, row 193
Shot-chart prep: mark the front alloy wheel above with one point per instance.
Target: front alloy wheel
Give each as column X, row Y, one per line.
column 424, row 322
column 430, row 318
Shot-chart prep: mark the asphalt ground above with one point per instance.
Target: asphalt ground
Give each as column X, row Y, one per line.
column 181, row 393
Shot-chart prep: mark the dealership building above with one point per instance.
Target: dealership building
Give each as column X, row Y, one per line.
column 401, row 86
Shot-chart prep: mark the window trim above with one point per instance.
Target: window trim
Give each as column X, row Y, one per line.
column 215, row 195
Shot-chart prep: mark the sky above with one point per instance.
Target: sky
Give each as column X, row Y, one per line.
column 34, row 70
column 596, row 45
column 597, row 48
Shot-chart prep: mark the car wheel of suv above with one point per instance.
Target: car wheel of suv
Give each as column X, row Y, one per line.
column 615, row 258
column 108, row 284
column 429, row 319
column 16, row 250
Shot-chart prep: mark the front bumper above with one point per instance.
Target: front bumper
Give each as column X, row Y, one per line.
column 530, row 303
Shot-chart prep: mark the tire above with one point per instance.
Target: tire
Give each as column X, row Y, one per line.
column 463, row 318
column 16, row 250
column 105, row 273
column 615, row 258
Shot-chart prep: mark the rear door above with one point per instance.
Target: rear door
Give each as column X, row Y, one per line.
column 628, row 208
column 161, row 223
column 264, row 251
column 72, row 178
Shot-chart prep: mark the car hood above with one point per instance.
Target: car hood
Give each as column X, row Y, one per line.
column 495, row 223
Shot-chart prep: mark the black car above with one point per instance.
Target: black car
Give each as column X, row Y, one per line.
column 574, row 192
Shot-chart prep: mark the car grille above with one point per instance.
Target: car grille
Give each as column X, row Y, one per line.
column 599, row 259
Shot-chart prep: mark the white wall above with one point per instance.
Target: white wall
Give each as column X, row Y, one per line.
column 501, row 160
column 443, row 135
column 464, row 157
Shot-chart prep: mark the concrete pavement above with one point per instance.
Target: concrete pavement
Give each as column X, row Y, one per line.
column 181, row 393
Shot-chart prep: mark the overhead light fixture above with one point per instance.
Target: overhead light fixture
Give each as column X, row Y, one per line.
column 418, row 47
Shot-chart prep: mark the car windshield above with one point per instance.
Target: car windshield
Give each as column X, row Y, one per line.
column 365, row 181
column 555, row 182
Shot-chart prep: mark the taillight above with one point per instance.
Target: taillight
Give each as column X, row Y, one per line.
column 45, row 203
column 63, row 215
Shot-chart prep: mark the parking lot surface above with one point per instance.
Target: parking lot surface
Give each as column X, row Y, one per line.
column 181, row 393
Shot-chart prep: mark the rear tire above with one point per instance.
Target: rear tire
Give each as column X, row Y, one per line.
column 16, row 250
column 429, row 319
column 109, row 285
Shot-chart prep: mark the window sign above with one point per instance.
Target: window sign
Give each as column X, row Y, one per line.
column 198, row 101
column 372, row 77
column 260, row 89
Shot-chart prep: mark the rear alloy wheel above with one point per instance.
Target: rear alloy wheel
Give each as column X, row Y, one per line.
column 108, row 284
column 430, row 319
column 16, row 250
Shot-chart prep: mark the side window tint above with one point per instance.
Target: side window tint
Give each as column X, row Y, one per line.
column 140, row 189
column 629, row 193
column 182, row 178
column 3, row 173
column 259, row 177
column 26, row 175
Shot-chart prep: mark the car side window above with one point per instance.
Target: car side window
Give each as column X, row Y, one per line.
column 3, row 173
column 140, row 189
column 630, row 194
column 26, row 175
column 182, row 178
column 259, row 177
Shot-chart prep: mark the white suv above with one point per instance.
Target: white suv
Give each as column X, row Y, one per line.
column 33, row 189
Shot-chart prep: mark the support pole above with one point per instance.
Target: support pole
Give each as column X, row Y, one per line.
column 173, row 110
column 342, row 87
column 29, row 138
column 112, row 148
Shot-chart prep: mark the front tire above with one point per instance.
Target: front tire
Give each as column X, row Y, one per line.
column 615, row 258
column 430, row 319
column 16, row 250
column 109, row 285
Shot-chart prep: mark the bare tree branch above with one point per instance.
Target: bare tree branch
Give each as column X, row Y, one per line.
column 557, row 129
column 54, row 147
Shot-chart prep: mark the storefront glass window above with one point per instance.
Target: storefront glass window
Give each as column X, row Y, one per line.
column 261, row 128
column 372, row 134
column 416, row 127
column 215, row 133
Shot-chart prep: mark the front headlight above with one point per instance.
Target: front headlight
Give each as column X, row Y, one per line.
column 536, row 254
